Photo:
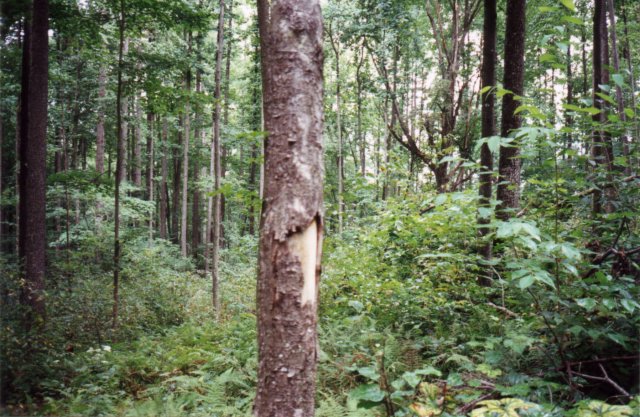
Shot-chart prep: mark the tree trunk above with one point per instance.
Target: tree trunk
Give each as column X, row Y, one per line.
column 137, row 145
column 601, row 152
column 619, row 97
column 124, row 108
column 185, row 161
column 195, row 207
column 488, row 75
column 214, row 214
column 291, row 222
column 164, row 192
column 120, row 135
column 175, row 197
column 150, row 171
column 509, row 164
column 100, row 139
column 336, row 50
column 33, row 158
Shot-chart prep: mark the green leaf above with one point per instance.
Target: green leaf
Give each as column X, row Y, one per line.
column 606, row 98
column 572, row 19
column 367, row 392
column 485, row 89
column 586, row 303
column 369, row 372
column 628, row 304
column 526, row 282
column 618, row 79
column 630, row 114
column 569, row 4
column 412, row 379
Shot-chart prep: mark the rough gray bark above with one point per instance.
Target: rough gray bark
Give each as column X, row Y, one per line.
column 509, row 164
column 33, row 158
column 488, row 74
column 291, row 221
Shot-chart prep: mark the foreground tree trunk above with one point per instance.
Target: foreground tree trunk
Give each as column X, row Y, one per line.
column 291, row 221
column 509, row 164
column 33, row 158
column 488, row 126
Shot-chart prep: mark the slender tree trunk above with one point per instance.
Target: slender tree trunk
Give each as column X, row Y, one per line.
column 509, row 164
column 488, row 75
column 124, row 109
column 568, row 118
column 164, row 192
column 100, row 139
column 195, row 208
column 33, row 158
column 150, row 171
column 175, row 197
column 601, row 152
column 137, row 144
column 291, row 222
column 631, row 73
column 215, row 206
column 619, row 97
column 185, row 161
column 336, row 49
column 120, row 135
column 361, row 137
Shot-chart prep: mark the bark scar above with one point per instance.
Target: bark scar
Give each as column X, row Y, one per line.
column 305, row 245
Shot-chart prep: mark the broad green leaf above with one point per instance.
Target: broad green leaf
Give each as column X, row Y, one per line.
column 367, row 392
column 629, row 305
column 526, row 282
column 586, row 303
column 369, row 372
column 606, row 98
column 618, row 79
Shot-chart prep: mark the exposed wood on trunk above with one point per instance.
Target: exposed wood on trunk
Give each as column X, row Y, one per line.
column 291, row 222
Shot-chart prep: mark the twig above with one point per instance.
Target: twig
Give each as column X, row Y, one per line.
column 604, row 378
column 503, row 309
column 470, row 405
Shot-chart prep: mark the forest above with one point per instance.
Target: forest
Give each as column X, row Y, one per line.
column 331, row 208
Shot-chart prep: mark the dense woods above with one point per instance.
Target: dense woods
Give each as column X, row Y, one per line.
column 337, row 208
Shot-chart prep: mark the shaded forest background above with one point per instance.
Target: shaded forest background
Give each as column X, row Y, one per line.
column 481, row 197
